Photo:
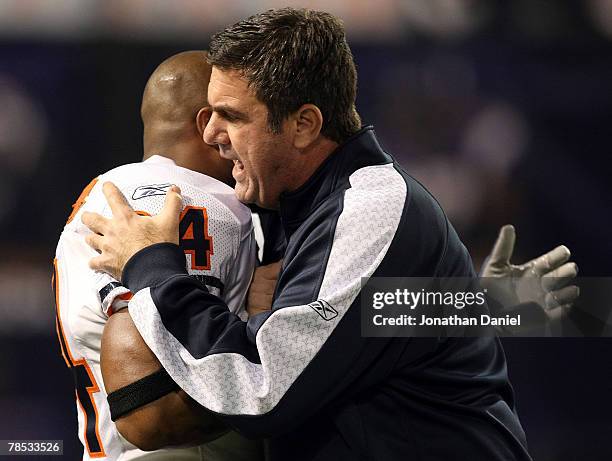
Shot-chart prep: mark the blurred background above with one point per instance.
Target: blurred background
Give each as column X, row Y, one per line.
column 503, row 109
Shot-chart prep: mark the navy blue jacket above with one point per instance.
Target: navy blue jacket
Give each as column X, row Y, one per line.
column 302, row 375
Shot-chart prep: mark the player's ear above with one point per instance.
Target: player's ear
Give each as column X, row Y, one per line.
column 202, row 119
column 308, row 124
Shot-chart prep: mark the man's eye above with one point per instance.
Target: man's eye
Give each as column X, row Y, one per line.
column 228, row 117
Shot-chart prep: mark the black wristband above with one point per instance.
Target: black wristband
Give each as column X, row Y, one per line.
column 153, row 265
column 139, row 393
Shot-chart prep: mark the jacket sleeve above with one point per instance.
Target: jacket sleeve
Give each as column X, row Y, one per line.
column 273, row 372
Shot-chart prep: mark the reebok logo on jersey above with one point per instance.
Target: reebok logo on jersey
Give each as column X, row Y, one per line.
column 150, row 190
column 324, row 309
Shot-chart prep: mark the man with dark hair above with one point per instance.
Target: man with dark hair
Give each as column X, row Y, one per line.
column 282, row 92
column 294, row 63
column 286, row 68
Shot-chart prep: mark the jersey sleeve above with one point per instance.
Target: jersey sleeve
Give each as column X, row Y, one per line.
column 113, row 296
column 108, row 292
column 267, row 375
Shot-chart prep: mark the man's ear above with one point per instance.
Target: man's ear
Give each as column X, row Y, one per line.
column 202, row 119
column 309, row 121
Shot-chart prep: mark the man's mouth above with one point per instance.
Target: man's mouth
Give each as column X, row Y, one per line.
column 225, row 151
column 238, row 171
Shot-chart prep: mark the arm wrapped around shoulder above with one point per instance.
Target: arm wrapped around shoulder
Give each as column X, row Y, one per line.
column 150, row 421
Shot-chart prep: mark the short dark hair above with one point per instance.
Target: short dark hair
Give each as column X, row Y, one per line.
column 292, row 57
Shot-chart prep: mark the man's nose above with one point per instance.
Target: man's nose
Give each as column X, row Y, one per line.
column 214, row 133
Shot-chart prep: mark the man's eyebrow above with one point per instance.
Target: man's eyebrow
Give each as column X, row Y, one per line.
column 229, row 113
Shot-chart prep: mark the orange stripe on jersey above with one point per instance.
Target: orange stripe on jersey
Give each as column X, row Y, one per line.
column 76, row 366
column 126, row 296
column 81, row 200
column 123, row 297
column 60, row 339
column 57, row 325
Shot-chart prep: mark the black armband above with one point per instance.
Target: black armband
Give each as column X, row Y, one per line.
column 139, row 393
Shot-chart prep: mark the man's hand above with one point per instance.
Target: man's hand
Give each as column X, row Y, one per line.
column 262, row 288
column 119, row 238
column 544, row 280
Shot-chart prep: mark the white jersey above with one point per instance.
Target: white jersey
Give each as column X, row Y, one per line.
column 216, row 234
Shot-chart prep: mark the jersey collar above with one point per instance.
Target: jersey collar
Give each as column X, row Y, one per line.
column 160, row 159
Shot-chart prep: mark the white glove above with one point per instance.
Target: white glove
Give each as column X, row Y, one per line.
column 544, row 280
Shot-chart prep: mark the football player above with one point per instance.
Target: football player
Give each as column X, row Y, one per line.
column 216, row 235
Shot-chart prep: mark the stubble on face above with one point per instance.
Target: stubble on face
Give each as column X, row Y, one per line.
column 261, row 168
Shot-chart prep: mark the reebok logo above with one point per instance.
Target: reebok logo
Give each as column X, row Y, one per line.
column 150, row 190
column 324, row 309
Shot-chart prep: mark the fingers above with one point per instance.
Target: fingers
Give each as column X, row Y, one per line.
column 560, row 276
column 550, row 260
column 173, row 204
column 97, row 263
column 96, row 222
column 558, row 313
column 263, row 285
column 562, row 297
column 101, row 263
column 252, row 311
column 267, row 286
column 269, row 271
column 94, row 241
column 504, row 246
column 116, row 200
column 259, row 301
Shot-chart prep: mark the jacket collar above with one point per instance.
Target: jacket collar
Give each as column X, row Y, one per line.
column 360, row 150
